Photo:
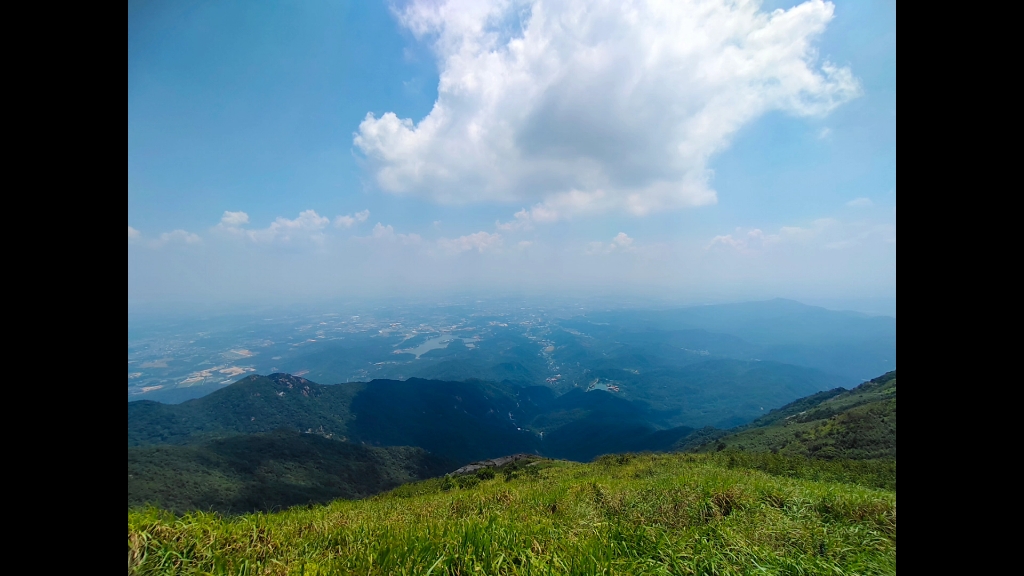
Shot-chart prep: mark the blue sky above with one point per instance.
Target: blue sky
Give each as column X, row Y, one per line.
column 692, row 152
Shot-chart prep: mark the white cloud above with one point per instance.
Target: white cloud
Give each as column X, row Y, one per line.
column 860, row 203
column 801, row 234
column 743, row 242
column 347, row 220
column 621, row 240
column 823, row 233
column 575, row 106
column 521, row 220
column 387, row 234
column 307, row 226
column 620, row 243
column 557, row 207
column 133, row 234
column 176, row 237
column 479, row 241
column 234, row 219
column 824, row 133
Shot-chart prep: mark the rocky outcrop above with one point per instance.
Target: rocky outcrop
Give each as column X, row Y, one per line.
column 494, row 463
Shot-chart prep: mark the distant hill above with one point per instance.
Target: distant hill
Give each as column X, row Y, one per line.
column 640, row 350
column 722, row 393
column 253, row 404
column 474, row 420
column 463, row 421
column 848, row 344
column 858, row 424
column 251, row 472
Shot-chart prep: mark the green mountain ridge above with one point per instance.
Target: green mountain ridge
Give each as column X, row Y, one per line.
column 474, row 420
column 858, row 424
column 277, row 441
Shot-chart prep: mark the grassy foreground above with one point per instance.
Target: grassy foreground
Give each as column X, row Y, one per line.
column 646, row 514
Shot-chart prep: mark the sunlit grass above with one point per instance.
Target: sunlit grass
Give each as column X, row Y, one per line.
column 648, row 514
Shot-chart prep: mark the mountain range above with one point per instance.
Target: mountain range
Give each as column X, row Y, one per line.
column 475, row 419
column 278, row 440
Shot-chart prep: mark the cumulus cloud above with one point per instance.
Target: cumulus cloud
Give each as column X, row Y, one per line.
column 557, row 207
column 308, row 226
column 388, row 234
column 133, row 234
column 176, row 237
column 479, row 241
column 574, row 106
column 234, row 219
column 348, row 220
column 620, row 243
column 860, row 203
column 752, row 239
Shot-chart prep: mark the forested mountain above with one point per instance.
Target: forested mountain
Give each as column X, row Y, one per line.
column 474, row 419
column 248, row 472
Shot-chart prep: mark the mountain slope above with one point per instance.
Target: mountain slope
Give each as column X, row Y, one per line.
column 253, row 404
column 721, row 393
column 858, row 423
column 649, row 514
column 464, row 421
column 253, row 472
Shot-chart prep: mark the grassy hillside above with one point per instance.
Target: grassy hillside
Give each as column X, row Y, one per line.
column 269, row 471
column 651, row 514
column 858, row 423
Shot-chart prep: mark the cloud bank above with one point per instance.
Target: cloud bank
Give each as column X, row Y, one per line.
column 576, row 107
column 233, row 262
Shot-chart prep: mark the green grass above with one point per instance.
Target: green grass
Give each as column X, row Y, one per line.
column 646, row 514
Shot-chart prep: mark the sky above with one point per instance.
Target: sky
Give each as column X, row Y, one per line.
column 683, row 151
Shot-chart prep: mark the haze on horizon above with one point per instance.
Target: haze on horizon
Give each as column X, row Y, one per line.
column 683, row 152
